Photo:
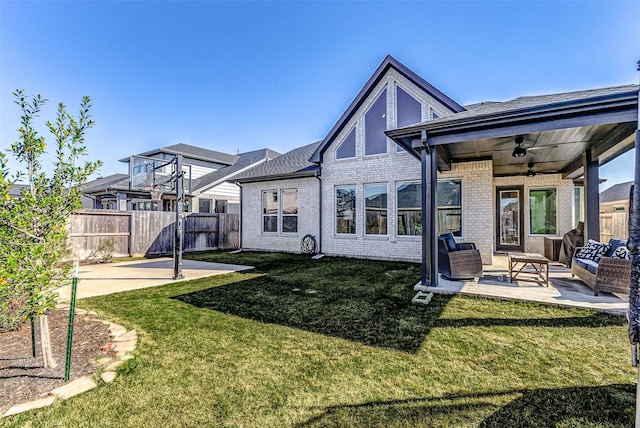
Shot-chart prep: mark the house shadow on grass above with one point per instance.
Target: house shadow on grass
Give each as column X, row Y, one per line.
column 600, row 406
column 381, row 316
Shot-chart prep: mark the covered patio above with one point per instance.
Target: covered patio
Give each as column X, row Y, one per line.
column 571, row 134
column 563, row 290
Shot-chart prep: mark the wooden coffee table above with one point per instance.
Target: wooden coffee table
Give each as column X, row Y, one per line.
column 529, row 267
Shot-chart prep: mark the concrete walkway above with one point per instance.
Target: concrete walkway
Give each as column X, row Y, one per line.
column 107, row 278
column 563, row 289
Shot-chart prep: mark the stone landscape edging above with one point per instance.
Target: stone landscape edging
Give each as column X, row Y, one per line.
column 122, row 342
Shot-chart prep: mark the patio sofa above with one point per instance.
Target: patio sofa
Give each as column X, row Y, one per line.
column 603, row 266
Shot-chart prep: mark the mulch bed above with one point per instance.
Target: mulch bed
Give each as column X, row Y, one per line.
column 22, row 377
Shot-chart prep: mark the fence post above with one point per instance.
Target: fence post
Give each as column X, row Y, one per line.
column 222, row 231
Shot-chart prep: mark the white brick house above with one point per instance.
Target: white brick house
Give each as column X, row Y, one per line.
column 357, row 191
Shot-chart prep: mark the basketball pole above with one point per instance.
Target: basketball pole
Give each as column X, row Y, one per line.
column 177, row 243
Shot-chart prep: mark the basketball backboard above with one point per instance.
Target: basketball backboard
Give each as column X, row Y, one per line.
column 147, row 173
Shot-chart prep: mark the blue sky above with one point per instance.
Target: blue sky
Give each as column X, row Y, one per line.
column 242, row 75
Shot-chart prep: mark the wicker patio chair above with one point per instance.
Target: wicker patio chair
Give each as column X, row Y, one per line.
column 458, row 260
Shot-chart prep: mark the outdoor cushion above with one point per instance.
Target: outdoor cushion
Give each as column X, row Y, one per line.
column 450, row 241
column 594, row 250
column 621, row 253
column 589, row 265
column 614, row 244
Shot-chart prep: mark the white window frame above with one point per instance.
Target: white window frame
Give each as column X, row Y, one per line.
column 263, row 213
column 283, row 215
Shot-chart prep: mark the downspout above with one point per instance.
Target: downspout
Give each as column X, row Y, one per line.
column 318, row 175
column 240, row 219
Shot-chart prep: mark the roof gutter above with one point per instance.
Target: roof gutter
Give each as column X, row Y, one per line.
column 290, row 176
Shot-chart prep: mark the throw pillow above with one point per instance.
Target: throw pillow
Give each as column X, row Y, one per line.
column 594, row 250
column 621, row 253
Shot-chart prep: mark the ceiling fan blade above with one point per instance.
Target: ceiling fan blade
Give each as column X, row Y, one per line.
column 542, row 147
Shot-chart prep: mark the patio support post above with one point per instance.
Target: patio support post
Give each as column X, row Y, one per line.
column 591, row 197
column 428, row 190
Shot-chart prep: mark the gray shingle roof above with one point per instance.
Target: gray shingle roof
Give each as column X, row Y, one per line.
column 192, row 152
column 617, row 192
column 245, row 160
column 114, row 181
column 17, row 189
column 292, row 164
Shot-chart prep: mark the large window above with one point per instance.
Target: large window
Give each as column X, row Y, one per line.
column 290, row 211
column 543, row 211
column 270, row 211
column 450, row 207
column 409, row 207
column 348, row 147
column 376, row 208
column 375, row 123
column 408, row 111
column 346, row 209
column 280, row 213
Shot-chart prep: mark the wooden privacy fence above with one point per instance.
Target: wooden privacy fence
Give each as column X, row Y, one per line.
column 94, row 233
column 614, row 225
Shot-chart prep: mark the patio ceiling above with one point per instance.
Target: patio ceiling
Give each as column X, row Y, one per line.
column 557, row 129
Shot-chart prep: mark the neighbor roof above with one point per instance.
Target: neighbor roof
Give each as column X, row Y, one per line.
column 388, row 63
column 617, row 192
column 192, row 152
column 114, row 181
column 245, row 160
column 17, row 189
column 293, row 164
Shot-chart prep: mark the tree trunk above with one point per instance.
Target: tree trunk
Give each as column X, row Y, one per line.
column 45, row 343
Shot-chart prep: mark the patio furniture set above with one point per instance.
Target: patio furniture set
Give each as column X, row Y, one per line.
column 601, row 266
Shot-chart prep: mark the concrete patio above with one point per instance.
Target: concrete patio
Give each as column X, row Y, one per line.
column 563, row 289
column 107, row 278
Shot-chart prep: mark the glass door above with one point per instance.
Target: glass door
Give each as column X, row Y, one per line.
column 509, row 219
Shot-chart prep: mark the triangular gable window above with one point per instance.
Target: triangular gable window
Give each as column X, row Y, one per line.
column 409, row 110
column 348, row 147
column 375, row 123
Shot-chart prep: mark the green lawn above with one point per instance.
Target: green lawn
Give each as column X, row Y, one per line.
column 245, row 349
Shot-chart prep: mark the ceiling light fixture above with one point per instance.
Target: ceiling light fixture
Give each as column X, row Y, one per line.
column 530, row 172
column 519, row 152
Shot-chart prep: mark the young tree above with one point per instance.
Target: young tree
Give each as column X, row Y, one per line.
column 34, row 253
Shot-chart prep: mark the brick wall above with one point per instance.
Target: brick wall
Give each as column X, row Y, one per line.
column 251, row 227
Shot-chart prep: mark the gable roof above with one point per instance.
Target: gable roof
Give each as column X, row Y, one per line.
column 245, row 161
column 293, row 164
column 192, row 152
column 617, row 192
column 388, row 63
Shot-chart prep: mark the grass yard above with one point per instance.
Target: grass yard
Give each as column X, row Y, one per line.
column 246, row 349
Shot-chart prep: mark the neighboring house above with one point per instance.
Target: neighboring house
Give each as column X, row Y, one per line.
column 614, row 211
column 16, row 190
column 208, row 182
column 359, row 193
column 616, row 198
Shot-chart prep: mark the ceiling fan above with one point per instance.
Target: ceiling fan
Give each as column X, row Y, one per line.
column 520, row 151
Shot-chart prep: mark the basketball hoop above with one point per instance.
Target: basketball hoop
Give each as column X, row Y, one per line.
column 156, row 193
